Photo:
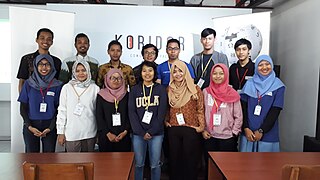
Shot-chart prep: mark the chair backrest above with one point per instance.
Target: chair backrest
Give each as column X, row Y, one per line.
column 57, row 171
column 300, row 172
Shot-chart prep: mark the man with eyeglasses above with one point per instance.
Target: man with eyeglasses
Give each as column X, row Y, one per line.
column 44, row 40
column 203, row 62
column 149, row 53
column 82, row 44
column 163, row 70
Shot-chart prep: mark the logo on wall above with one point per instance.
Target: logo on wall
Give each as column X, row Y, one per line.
column 232, row 34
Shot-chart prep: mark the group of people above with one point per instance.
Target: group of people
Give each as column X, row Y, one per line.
column 179, row 108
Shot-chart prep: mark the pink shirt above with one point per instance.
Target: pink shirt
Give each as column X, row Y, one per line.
column 231, row 118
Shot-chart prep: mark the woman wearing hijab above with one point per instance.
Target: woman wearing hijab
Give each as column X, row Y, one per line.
column 76, row 121
column 147, row 110
column 222, row 111
column 185, row 123
column 262, row 99
column 112, row 114
column 39, row 100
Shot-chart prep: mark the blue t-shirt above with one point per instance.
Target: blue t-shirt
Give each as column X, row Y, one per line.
column 164, row 72
column 270, row 99
column 33, row 98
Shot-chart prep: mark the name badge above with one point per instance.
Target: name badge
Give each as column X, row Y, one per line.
column 78, row 110
column 43, row 107
column 210, row 100
column 180, row 119
column 247, row 77
column 200, row 82
column 50, row 93
column 257, row 110
column 269, row 93
column 223, row 105
column 147, row 117
column 116, row 119
column 216, row 119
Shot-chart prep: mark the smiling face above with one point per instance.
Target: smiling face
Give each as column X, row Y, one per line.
column 149, row 54
column 173, row 51
column 44, row 40
column 218, row 75
column 177, row 74
column 147, row 74
column 82, row 45
column 44, row 67
column 81, row 73
column 264, row 68
column 115, row 81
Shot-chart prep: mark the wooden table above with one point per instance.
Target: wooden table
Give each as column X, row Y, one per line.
column 106, row 165
column 238, row 166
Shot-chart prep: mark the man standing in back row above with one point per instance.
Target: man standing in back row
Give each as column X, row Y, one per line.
column 203, row 62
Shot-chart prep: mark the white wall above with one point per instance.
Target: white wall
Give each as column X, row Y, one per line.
column 295, row 46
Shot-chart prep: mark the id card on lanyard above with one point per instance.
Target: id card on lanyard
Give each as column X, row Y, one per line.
column 43, row 104
column 147, row 116
column 116, row 118
column 79, row 107
column 201, row 80
column 257, row 109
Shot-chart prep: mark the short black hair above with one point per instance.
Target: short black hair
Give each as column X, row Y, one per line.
column 114, row 42
column 80, row 35
column 243, row 41
column 207, row 31
column 44, row 30
column 150, row 46
column 173, row 41
column 148, row 64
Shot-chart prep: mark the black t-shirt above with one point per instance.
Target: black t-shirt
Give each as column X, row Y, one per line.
column 234, row 80
column 206, row 74
column 26, row 65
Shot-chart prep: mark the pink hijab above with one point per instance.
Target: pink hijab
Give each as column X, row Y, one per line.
column 221, row 92
column 110, row 94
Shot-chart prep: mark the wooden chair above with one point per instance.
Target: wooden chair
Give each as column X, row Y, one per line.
column 58, row 171
column 300, row 172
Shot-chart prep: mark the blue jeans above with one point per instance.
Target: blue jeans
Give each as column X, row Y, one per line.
column 140, row 147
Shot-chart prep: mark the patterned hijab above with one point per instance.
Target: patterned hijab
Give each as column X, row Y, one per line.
column 110, row 94
column 37, row 81
column 74, row 81
column 262, row 84
column 180, row 95
column 221, row 92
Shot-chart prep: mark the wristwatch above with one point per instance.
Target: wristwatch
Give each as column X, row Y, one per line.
column 260, row 131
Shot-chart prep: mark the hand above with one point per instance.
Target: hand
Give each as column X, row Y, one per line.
column 147, row 136
column 198, row 129
column 121, row 136
column 206, row 134
column 249, row 134
column 111, row 137
column 35, row 131
column 45, row 132
column 258, row 135
column 167, row 124
column 61, row 139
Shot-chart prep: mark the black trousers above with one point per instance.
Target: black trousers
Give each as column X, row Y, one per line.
column 185, row 152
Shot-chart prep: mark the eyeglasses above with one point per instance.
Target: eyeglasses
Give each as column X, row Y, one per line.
column 173, row 49
column 150, row 53
column 44, row 64
column 114, row 79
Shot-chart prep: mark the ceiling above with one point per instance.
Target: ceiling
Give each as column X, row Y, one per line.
column 255, row 4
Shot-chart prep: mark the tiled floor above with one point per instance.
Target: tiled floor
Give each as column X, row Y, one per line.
column 5, row 146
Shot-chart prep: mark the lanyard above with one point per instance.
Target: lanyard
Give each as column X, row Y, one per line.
column 259, row 98
column 46, row 90
column 144, row 95
column 169, row 67
column 116, row 104
column 215, row 102
column 80, row 94
column 244, row 75
column 205, row 68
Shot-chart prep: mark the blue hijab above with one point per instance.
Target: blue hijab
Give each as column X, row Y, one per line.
column 37, row 81
column 260, row 83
